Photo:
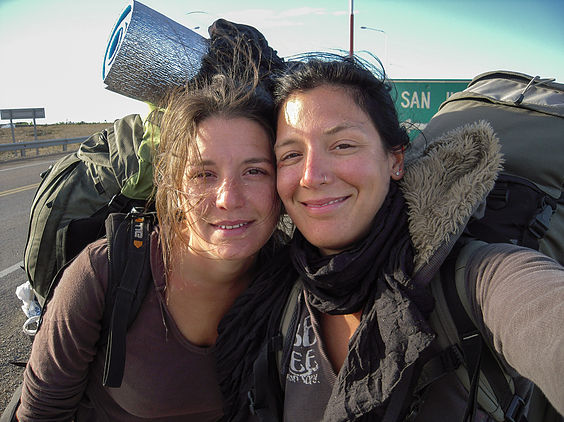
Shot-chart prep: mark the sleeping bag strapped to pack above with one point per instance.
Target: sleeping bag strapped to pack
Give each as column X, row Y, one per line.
column 526, row 206
column 110, row 172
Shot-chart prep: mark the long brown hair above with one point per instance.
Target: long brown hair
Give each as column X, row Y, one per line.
column 226, row 96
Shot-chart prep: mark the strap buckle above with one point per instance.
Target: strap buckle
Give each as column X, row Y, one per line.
column 541, row 222
column 516, row 409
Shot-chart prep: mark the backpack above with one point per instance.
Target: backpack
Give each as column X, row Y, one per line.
column 525, row 207
column 110, row 172
column 101, row 190
column 129, row 277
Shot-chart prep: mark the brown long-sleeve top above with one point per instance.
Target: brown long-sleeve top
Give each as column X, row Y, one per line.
column 166, row 377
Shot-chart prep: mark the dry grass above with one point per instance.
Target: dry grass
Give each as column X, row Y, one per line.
column 60, row 131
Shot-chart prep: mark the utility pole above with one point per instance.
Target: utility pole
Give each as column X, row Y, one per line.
column 351, row 30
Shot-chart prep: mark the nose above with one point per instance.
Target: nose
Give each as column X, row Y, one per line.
column 315, row 171
column 230, row 194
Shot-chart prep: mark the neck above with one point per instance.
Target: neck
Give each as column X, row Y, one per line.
column 201, row 290
column 337, row 330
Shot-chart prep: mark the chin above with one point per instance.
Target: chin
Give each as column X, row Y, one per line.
column 235, row 253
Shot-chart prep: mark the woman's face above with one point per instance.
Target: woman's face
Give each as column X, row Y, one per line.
column 333, row 170
column 232, row 193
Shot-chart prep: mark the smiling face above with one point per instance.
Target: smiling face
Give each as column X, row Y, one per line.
column 233, row 207
column 333, row 169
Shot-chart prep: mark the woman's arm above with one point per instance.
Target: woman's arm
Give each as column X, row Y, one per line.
column 518, row 298
column 57, row 372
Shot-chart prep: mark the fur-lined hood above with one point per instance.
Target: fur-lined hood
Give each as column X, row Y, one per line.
column 445, row 183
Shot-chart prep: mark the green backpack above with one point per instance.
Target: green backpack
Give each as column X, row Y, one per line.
column 101, row 190
column 110, row 172
column 526, row 206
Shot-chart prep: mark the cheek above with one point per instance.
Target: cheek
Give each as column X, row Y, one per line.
column 286, row 182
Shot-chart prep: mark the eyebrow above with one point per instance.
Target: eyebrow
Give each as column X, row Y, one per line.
column 340, row 127
column 254, row 160
column 331, row 131
column 284, row 143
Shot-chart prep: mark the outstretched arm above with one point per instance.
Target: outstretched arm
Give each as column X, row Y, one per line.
column 518, row 298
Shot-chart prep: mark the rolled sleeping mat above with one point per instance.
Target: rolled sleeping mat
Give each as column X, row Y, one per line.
column 148, row 53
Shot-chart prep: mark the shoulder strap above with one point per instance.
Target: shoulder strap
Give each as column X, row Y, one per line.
column 288, row 314
column 265, row 397
column 129, row 277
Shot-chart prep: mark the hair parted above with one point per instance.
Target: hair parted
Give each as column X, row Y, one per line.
column 367, row 86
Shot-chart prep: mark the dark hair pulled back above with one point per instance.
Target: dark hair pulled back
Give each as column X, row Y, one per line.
column 367, row 86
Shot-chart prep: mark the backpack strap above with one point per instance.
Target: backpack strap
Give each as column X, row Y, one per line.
column 129, row 277
column 288, row 318
column 265, row 398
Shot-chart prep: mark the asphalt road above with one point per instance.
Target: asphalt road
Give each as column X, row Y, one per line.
column 18, row 182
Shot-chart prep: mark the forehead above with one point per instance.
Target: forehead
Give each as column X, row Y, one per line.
column 321, row 108
column 230, row 135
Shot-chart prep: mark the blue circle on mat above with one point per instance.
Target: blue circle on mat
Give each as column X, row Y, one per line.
column 115, row 39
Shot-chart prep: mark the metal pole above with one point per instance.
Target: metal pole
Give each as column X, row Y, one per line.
column 385, row 41
column 351, row 30
column 12, row 126
column 34, row 127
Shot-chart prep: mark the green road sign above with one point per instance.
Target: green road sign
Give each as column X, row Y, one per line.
column 417, row 100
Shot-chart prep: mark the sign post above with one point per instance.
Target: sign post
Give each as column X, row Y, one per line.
column 22, row 113
column 417, row 100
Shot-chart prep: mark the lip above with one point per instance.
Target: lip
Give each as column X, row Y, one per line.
column 324, row 204
column 232, row 226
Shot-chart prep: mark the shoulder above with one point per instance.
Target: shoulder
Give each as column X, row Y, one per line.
column 93, row 258
column 85, row 279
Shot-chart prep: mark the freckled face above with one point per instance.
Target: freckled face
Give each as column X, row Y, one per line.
column 234, row 189
column 333, row 169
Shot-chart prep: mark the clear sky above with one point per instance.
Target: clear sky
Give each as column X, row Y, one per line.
column 52, row 50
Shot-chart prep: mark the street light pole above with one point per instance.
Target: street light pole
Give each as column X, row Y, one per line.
column 196, row 11
column 385, row 41
column 351, row 28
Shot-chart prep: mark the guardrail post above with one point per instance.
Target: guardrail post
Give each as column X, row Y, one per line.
column 12, row 127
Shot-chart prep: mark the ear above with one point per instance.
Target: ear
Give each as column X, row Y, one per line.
column 396, row 158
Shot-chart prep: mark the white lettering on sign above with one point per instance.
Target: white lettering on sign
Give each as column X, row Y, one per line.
column 416, row 100
column 448, row 94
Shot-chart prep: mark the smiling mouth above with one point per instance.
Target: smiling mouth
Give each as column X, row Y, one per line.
column 325, row 204
column 231, row 227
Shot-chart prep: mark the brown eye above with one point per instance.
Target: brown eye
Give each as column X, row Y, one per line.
column 256, row 171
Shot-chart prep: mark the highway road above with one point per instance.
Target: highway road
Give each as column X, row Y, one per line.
column 18, row 182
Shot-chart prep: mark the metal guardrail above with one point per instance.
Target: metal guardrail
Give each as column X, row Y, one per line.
column 23, row 146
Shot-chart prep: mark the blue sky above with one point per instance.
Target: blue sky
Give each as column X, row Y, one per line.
column 52, row 50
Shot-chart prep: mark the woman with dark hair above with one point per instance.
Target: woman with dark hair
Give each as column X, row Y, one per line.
column 216, row 207
column 373, row 231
